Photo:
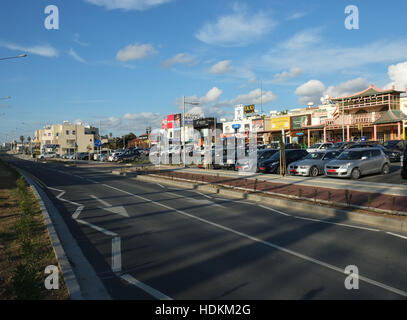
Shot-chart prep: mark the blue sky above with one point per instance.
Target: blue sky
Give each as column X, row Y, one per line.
column 127, row 63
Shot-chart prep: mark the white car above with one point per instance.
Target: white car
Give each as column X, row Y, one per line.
column 48, row 155
column 319, row 147
column 113, row 156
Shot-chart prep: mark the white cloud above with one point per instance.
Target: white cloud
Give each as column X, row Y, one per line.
column 303, row 39
column 254, row 97
column 211, row 96
column 128, row 4
column 284, row 76
column 296, row 15
column 313, row 90
column 347, row 88
column 310, row 91
column 236, row 29
column 398, row 76
column 135, row 52
column 76, row 39
column 180, row 58
column 307, row 51
column 74, row 55
column 45, row 50
column 222, row 67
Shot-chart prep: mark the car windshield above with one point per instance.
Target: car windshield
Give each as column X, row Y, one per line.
column 350, row 155
column 336, row 145
column 390, row 144
column 264, row 155
column 315, row 146
column 314, row 156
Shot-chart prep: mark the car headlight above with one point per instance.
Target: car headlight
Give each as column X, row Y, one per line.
column 346, row 166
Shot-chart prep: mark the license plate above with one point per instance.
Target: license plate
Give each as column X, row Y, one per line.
column 332, row 171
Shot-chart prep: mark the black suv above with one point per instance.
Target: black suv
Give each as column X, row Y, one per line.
column 272, row 164
column 129, row 155
column 404, row 164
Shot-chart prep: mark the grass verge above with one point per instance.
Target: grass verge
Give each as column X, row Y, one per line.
column 25, row 247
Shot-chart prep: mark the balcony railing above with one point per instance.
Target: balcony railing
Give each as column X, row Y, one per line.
column 354, row 119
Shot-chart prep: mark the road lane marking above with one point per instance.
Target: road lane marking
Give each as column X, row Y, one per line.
column 77, row 212
column 151, row 291
column 100, row 229
column 116, row 255
column 159, row 184
column 269, row 244
column 397, row 235
column 338, row 224
column 120, row 210
column 280, row 212
column 116, row 241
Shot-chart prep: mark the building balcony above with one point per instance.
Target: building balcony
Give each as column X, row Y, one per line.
column 353, row 119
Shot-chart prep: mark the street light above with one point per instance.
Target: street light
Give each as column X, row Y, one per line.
column 183, row 123
column 14, row 57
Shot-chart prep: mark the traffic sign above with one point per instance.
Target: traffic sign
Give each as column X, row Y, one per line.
column 236, row 126
column 98, row 143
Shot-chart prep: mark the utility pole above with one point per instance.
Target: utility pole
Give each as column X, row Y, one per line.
column 343, row 121
column 183, row 130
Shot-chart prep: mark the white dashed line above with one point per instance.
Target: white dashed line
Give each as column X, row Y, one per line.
column 151, row 291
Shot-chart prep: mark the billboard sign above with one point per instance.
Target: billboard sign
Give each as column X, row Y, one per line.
column 280, row 123
column 298, row 121
column 249, row 109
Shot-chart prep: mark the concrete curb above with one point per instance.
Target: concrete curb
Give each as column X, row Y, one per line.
column 319, row 210
column 68, row 274
column 83, row 284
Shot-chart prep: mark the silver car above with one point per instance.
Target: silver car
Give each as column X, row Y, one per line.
column 313, row 164
column 353, row 163
column 319, row 147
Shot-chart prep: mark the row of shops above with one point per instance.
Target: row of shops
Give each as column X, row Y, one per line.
column 372, row 114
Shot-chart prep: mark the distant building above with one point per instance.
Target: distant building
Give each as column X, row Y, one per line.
column 63, row 138
column 373, row 113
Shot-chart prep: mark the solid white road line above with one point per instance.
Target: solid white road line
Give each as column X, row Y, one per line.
column 278, row 211
column 338, row 224
column 269, row 244
column 151, row 291
column 397, row 235
column 116, row 255
column 77, row 212
column 97, row 228
column 159, row 184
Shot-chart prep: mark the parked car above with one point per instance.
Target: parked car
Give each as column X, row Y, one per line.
column 395, row 145
column 313, row 163
column 404, row 165
column 128, row 155
column 319, row 147
column 252, row 166
column 83, row 156
column 48, row 155
column 272, row 165
column 341, row 145
column 67, row 155
column 113, row 156
column 353, row 163
column 393, row 155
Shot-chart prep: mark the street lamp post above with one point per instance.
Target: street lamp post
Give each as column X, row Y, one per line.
column 183, row 125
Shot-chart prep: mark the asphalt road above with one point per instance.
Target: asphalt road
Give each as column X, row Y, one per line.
column 149, row 241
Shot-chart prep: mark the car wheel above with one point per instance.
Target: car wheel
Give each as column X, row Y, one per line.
column 385, row 169
column 314, row 172
column 355, row 174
